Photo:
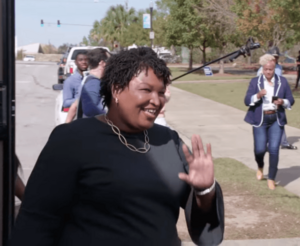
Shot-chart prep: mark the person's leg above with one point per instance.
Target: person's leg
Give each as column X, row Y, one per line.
column 260, row 144
column 298, row 77
column 274, row 136
column 284, row 141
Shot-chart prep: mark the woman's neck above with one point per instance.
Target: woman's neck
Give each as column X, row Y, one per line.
column 115, row 119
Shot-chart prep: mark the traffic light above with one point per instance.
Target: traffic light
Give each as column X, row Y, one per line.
column 58, row 23
column 42, row 23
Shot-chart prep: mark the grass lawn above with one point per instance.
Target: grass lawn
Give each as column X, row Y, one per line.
column 252, row 210
column 232, row 94
column 176, row 71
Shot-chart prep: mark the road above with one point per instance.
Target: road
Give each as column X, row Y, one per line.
column 35, row 101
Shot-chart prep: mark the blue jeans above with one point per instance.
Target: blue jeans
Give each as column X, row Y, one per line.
column 284, row 141
column 268, row 133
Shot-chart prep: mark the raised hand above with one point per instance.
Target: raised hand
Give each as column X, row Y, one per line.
column 201, row 167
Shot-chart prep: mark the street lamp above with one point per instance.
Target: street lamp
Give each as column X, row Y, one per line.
column 151, row 30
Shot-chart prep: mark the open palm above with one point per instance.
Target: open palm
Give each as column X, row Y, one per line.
column 201, row 167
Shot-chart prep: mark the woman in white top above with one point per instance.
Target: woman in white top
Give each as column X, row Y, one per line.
column 268, row 96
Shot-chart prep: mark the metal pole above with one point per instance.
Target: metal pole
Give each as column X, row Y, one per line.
column 7, row 119
column 151, row 11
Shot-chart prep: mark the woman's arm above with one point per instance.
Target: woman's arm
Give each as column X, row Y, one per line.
column 251, row 95
column 288, row 100
column 206, row 227
column 19, row 188
column 289, row 96
column 50, row 191
column 204, row 215
column 72, row 112
column 68, row 94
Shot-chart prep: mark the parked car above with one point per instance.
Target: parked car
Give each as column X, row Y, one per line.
column 29, row 58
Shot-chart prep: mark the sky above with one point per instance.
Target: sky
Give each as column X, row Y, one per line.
column 29, row 14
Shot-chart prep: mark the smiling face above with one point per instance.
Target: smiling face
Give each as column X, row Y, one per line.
column 269, row 69
column 139, row 103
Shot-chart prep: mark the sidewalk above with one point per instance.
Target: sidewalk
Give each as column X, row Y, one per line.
column 224, row 127
column 261, row 242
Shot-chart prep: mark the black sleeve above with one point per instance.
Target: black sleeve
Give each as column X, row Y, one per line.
column 49, row 192
column 204, row 228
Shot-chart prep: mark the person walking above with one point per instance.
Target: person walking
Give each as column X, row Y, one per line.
column 278, row 70
column 298, row 72
column 118, row 178
column 161, row 118
column 267, row 97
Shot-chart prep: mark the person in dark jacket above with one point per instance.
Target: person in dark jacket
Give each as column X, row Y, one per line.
column 119, row 179
column 268, row 96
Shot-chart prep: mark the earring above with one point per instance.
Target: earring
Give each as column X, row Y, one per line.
column 117, row 100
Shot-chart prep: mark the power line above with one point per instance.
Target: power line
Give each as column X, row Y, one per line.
column 66, row 24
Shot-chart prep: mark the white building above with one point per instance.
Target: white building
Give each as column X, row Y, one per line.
column 31, row 48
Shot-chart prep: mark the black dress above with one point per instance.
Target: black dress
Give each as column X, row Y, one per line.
column 88, row 189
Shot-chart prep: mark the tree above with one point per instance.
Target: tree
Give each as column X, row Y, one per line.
column 116, row 23
column 85, row 41
column 183, row 25
column 135, row 33
column 221, row 22
column 96, row 33
column 270, row 21
column 63, row 48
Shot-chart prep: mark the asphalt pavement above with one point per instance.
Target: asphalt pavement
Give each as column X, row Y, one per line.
column 35, row 102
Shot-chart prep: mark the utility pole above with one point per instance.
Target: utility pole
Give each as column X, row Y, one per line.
column 151, row 30
column 7, row 118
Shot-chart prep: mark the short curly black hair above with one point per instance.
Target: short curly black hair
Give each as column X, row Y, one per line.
column 122, row 67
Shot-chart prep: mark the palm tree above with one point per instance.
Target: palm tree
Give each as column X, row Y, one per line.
column 96, row 33
column 116, row 22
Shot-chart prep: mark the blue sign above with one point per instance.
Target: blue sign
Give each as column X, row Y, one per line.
column 146, row 21
column 208, row 71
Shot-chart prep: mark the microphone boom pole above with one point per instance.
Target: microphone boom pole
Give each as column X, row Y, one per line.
column 250, row 45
